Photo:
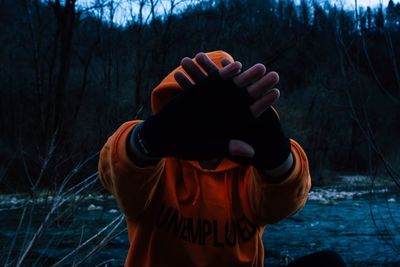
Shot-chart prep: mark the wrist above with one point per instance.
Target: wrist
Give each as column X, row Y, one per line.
column 137, row 149
column 280, row 173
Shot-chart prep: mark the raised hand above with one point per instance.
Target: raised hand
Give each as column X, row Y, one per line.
column 260, row 86
column 199, row 123
column 264, row 141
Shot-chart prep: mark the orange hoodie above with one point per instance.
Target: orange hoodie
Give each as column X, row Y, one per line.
column 179, row 214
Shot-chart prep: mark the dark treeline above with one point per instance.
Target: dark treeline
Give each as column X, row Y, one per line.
column 69, row 77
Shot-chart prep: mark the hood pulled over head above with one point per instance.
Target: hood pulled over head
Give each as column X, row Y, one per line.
column 168, row 87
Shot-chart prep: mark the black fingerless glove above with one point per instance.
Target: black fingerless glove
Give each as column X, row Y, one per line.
column 271, row 145
column 198, row 123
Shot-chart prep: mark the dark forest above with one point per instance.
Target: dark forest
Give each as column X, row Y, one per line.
column 70, row 77
column 71, row 74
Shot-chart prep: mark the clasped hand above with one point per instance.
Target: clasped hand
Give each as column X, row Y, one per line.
column 222, row 113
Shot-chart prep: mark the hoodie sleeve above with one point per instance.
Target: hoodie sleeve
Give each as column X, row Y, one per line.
column 271, row 203
column 132, row 186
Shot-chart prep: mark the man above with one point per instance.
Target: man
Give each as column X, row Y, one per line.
column 200, row 179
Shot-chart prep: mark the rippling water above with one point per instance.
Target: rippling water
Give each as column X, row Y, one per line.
column 360, row 223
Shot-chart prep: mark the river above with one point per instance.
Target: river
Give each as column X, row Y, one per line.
column 360, row 222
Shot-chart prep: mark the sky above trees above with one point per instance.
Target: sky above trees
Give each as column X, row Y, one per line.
column 124, row 9
column 372, row 3
column 351, row 3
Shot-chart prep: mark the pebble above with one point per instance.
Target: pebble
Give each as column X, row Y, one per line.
column 14, row 200
column 113, row 211
column 93, row 207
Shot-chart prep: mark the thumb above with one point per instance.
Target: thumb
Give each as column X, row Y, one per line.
column 240, row 148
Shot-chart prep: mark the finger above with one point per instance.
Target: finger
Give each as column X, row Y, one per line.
column 250, row 76
column 230, row 70
column 240, row 148
column 182, row 80
column 264, row 102
column 194, row 72
column 205, row 62
column 263, row 85
column 225, row 62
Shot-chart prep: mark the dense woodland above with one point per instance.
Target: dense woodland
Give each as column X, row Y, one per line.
column 70, row 76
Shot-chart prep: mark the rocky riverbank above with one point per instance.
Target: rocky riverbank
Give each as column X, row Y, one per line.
column 358, row 221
